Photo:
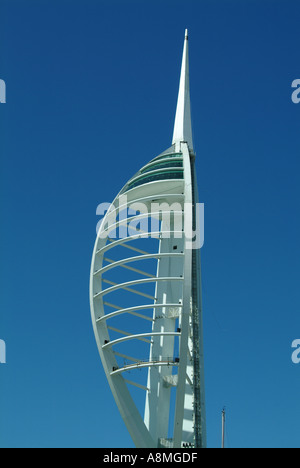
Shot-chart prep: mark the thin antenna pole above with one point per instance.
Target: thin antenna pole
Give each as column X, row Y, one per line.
column 223, row 427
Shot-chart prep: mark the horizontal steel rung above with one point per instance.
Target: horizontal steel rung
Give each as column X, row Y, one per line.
column 144, row 364
column 142, row 335
column 127, row 334
column 122, row 264
column 126, row 222
column 116, row 263
column 133, row 310
column 123, row 242
column 125, row 286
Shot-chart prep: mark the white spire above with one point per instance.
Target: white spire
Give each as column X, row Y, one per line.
column 183, row 121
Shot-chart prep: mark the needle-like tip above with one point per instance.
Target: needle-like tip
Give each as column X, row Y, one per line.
column 183, row 121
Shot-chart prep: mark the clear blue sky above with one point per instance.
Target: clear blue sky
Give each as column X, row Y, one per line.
column 91, row 97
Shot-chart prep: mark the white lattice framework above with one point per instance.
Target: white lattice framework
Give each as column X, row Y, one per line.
column 145, row 294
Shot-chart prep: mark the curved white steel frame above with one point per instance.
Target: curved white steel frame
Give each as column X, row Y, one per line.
column 163, row 300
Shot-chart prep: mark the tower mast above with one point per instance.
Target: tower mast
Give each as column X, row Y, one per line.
column 183, row 135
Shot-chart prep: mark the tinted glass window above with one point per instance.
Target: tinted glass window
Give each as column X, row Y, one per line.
column 164, row 175
column 162, row 165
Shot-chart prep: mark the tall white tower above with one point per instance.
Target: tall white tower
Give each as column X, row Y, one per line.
column 145, row 294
